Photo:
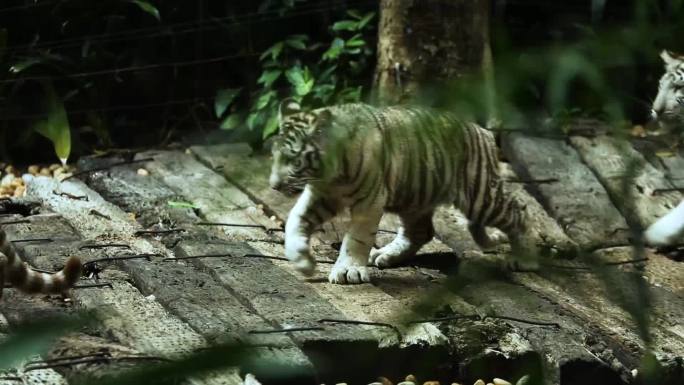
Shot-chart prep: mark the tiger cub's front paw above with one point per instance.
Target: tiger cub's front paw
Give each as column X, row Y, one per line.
column 348, row 272
column 297, row 251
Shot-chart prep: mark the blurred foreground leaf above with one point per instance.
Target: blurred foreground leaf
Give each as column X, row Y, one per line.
column 36, row 338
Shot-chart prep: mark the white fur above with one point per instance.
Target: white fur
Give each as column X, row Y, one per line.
column 251, row 380
column 393, row 252
column 350, row 266
column 668, row 229
column 667, row 106
column 296, row 240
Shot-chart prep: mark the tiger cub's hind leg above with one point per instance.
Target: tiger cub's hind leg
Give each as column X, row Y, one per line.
column 484, row 240
column 414, row 232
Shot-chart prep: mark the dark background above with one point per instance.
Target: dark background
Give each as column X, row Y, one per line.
column 130, row 80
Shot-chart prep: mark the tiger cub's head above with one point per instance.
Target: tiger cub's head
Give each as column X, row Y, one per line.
column 297, row 151
column 668, row 106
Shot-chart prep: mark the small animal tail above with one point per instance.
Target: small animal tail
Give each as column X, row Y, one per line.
column 20, row 276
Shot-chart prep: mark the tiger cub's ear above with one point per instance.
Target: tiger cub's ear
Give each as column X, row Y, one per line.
column 288, row 107
column 670, row 58
column 323, row 118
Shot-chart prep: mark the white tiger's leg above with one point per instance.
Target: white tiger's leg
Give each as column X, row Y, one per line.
column 308, row 213
column 415, row 231
column 351, row 265
column 483, row 239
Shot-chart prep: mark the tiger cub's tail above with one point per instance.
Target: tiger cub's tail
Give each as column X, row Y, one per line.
column 18, row 274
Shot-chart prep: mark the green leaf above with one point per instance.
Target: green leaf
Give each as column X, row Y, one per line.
column 231, row 121
column 35, row 338
column 346, row 25
column 271, row 127
column 324, row 92
column 300, row 79
column 264, row 99
column 355, row 14
column 355, row 41
column 24, row 64
column 268, row 77
column 147, row 7
column 297, row 41
column 651, row 370
column 223, row 100
column 254, row 119
column 213, row 359
column 335, row 49
column 326, row 74
column 296, row 44
column 597, row 9
column 294, row 75
column 181, row 205
column 273, row 50
column 56, row 125
column 349, row 94
column 366, row 19
column 305, row 88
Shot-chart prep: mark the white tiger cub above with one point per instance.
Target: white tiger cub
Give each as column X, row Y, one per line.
column 405, row 160
column 668, row 110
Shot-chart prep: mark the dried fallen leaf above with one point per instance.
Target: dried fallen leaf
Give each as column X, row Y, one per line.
column 20, row 191
column 665, row 154
column 638, row 131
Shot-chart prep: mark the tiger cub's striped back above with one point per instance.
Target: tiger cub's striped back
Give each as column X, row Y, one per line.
column 15, row 272
column 405, row 160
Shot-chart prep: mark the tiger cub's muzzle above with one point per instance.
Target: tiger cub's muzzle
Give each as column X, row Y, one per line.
column 284, row 186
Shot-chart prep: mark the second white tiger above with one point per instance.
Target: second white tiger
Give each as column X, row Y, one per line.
column 404, row 160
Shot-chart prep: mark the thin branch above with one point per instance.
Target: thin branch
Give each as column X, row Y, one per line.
column 84, row 172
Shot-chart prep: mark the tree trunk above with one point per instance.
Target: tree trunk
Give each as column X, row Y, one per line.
column 422, row 43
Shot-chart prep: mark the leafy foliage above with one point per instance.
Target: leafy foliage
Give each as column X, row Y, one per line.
column 36, row 338
column 311, row 72
column 66, row 65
